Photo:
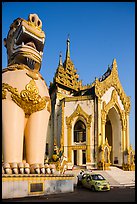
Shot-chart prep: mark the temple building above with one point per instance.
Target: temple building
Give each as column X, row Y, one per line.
column 89, row 122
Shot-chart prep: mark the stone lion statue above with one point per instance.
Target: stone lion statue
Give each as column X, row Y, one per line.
column 25, row 96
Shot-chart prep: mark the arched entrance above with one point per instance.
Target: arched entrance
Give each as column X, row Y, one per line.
column 113, row 132
column 79, row 132
column 79, row 139
column 82, row 148
column 108, row 135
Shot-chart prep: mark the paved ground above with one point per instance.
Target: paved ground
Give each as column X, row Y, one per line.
column 116, row 176
column 83, row 195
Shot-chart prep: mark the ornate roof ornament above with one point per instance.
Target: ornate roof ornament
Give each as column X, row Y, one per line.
column 60, row 59
column 66, row 74
column 68, row 49
column 112, row 81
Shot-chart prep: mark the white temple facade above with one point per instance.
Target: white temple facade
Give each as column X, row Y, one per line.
column 90, row 123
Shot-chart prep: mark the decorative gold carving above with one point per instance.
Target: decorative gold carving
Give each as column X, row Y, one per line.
column 36, row 177
column 29, row 99
column 103, row 146
column 129, row 164
column 15, row 67
column 103, row 116
column 113, row 103
column 112, row 81
column 105, row 160
column 122, row 114
column 131, row 154
column 60, row 96
column 67, row 75
column 79, row 112
column 3, row 93
column 77, row 147
column 49, row 105
column 78, row 98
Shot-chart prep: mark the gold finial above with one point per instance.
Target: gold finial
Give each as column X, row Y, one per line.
column 68, row 48
column 114, row 63
column 60, row 59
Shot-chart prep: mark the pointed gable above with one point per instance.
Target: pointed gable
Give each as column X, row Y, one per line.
column 112, row 80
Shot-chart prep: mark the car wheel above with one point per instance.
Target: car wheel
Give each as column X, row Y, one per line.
column 93, row 188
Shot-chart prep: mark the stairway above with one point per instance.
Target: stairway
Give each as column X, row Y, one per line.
column 121, row 176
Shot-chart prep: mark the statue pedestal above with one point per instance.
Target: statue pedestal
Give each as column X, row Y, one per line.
column 15, row 186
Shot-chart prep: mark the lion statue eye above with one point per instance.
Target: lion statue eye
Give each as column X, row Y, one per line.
column 17, row 23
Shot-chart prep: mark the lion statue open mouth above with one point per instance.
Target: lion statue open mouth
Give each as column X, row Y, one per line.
column 25, row 42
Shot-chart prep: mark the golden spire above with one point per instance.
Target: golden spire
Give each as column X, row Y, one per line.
column 114, row 67
column 68, row 49
column 114, row 64
column 60, row 59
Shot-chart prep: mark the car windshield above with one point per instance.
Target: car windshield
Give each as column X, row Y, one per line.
column 98, row 177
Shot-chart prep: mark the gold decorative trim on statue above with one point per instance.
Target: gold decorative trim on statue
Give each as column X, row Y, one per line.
column 29, row 99
column 32, row 73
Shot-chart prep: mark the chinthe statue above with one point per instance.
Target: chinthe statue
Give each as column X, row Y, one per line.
column 25, row 98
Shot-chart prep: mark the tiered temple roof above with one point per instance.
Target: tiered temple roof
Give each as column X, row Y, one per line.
column 66, row 74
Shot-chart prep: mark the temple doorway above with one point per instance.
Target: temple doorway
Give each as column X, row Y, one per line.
column 108, row 135
column 75, row 157
column 83, row 157
column 113, row 132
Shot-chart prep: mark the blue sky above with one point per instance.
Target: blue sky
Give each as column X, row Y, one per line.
column 99, row 32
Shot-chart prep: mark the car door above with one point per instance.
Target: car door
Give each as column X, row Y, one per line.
column 88, row 181
column 83, row 181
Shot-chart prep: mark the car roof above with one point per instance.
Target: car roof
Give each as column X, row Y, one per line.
column 92, row 173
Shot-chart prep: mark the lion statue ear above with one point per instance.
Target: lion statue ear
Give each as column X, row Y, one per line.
column 5, row 42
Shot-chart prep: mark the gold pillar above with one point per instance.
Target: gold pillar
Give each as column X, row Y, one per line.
column 88, row 143
column 103, row 122
column 99, row 122
column 103, row 131
column 127, row 131
column 124, row 139
column 124, row 135
column 69, row 127
column 62, row 126
column 124, row 127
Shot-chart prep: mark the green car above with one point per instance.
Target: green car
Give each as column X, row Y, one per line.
column 95, row 182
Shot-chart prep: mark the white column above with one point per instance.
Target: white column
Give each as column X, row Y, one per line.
column 79, row 157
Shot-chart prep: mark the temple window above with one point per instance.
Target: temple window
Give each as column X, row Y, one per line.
column 79, row 132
